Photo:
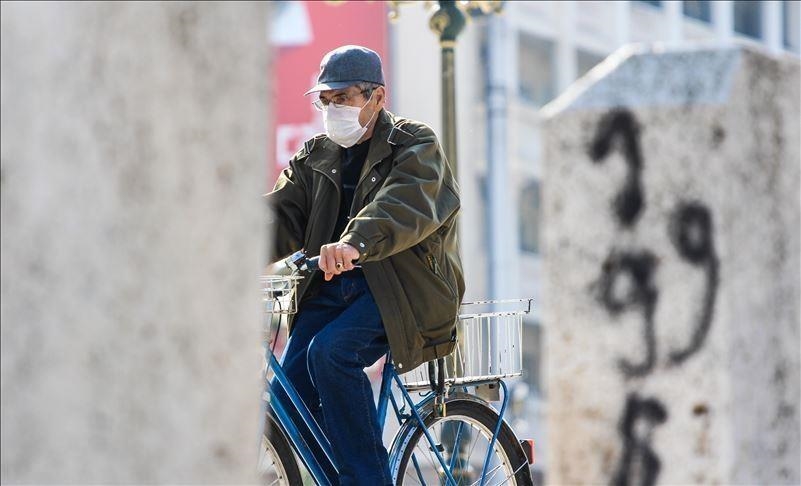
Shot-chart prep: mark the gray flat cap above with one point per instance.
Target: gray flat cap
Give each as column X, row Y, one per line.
column 346, row 66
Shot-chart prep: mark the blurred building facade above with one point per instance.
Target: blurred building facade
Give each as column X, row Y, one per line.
column 508, row 67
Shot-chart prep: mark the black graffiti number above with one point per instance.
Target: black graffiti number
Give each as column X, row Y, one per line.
column 627, row 282
column 691, row 233
column 639, row 464
column 629, row 202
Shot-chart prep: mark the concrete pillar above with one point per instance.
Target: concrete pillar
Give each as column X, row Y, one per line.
column 723, row 19
column 133, row 160
column 672, row 271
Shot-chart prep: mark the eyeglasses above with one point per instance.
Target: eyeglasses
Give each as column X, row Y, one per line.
column 339, row 99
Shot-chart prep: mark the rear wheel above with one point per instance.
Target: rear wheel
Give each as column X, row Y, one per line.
column 463, row 438
column 277, row 464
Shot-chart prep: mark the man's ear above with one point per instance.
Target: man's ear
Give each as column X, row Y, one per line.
column 381, row 96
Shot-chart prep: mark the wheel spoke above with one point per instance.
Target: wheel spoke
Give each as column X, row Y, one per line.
column 477, row 436
column 494, row 471
column 456, row 444
column 269, row 467
column 417, row 468
column 425, row 450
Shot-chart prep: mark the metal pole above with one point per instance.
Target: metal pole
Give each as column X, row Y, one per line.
column 449, row 106
column 502, row 224
column 501, row 214
column 448, row 21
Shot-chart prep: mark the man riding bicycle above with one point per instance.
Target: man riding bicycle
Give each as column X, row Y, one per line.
column 375, row 197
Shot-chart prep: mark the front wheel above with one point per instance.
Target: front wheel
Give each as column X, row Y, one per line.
column 277, row 464
column 462, row 437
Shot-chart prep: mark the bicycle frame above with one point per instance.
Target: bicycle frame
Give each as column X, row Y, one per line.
column 386, row 398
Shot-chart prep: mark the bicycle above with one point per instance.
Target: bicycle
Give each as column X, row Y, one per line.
column 450, row 436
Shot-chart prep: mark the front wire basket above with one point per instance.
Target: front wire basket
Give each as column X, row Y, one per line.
column 278, row 294
column 488, row 345
column 279, row 300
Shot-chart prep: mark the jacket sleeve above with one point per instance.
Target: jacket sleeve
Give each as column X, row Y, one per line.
column 416, row 199
column 287, row 211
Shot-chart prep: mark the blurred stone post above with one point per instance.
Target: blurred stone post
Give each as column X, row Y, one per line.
column 671, row 255
column 133, row 160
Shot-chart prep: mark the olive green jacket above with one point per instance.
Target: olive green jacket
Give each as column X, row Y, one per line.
column 403, row 222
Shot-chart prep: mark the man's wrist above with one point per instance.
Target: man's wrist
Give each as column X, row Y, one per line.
column 356, row 241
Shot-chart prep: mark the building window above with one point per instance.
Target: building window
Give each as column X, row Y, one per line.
column 532, row 352
column 586, row 60
column 530, row 217
column 698, row 9
column 655, row 3
column 791, row 25
column 748, row 18
column 536, row 72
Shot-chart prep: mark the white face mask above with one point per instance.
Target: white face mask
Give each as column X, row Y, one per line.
column 342, row 123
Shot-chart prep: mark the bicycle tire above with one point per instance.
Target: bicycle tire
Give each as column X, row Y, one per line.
column 480, row 417
column 277, row 463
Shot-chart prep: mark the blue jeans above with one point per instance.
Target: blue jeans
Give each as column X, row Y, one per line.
column 337, row 333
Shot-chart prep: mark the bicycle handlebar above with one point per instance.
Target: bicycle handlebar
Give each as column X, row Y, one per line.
column 297, row 262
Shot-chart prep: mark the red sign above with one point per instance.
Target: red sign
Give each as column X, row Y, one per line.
column 302, row 33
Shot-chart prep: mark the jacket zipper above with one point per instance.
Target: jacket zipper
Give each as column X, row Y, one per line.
column 313, row 218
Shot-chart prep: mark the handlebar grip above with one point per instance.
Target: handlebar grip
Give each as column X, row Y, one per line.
column 312, row 264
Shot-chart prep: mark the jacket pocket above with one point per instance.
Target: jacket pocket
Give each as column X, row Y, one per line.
column 431, row 296
column 433, row 265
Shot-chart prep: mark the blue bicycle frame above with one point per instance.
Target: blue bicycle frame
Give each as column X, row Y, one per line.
column 388, row 377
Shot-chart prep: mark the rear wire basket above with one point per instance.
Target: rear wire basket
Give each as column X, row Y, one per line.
column 488, row 345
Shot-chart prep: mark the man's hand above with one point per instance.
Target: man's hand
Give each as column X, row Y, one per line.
column 336, row 258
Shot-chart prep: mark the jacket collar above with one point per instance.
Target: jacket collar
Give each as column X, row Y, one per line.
column 326, row 154
column 379, row 146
